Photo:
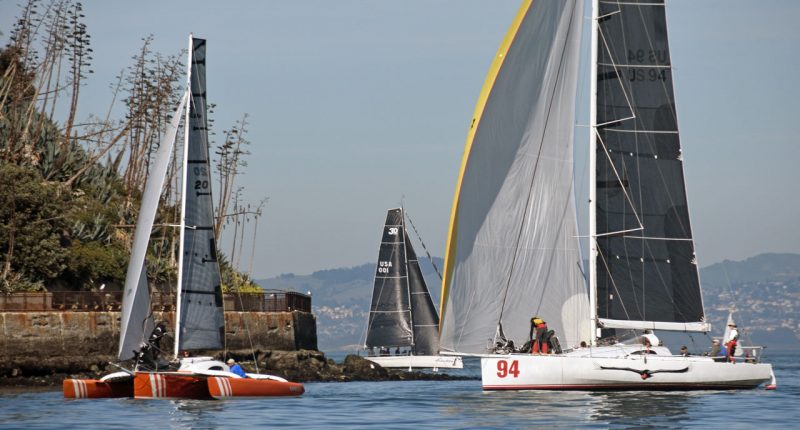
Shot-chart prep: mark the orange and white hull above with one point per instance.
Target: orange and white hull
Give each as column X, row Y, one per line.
column 226, row 388
column 170, row 385
column 97, row 389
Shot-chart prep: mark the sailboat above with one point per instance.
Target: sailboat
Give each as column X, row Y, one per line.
column 513, row 249
column 199, row 319
column 402, row 313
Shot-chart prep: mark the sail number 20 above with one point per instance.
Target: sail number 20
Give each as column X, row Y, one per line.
column 504, row 368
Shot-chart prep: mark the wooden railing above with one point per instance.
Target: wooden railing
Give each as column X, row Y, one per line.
column 92, row 301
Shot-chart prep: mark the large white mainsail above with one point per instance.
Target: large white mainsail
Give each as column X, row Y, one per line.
column 136, row 320
column 512, row 250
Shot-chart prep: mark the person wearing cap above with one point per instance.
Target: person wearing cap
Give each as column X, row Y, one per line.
column 235, row 368
column 731, row 341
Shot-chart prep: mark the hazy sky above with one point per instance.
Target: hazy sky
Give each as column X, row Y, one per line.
column 354, row 104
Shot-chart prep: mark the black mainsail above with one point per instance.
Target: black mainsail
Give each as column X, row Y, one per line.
column 402, row 313
column 200, row 316
column 645, row 266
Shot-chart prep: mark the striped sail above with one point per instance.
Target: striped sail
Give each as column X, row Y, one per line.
column 512, row 250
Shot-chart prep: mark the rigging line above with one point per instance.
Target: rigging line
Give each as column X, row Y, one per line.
column 241, row 302
column 414, row 227
column 538, row 158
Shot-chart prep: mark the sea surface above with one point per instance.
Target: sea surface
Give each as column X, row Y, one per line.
column 426, row 404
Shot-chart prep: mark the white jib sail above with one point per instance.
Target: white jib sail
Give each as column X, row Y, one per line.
column 136, row 321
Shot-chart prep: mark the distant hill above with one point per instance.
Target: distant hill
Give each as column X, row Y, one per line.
column 341, row 299
column 764, row 291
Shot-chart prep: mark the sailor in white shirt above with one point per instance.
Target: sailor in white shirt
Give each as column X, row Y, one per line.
column 731, row 341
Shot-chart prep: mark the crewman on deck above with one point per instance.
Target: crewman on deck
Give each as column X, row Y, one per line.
column 235, row 368
column 732, row 341
column 539, row 336
column 649, row 339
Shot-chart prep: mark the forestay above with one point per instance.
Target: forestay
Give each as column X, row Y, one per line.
column 512, row 250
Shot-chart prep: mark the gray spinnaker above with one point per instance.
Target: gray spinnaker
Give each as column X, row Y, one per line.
column 513, row 250
column 646, row 274
column 136, row 321
column 202, row 319
column 389, row 322
column 423, row 313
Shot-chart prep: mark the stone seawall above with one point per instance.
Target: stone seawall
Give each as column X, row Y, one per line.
column 69, row 342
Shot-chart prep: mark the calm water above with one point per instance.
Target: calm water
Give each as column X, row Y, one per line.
column 425, row 404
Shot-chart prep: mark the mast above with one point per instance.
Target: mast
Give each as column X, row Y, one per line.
column 184, row 169
column 592, row 177
column 408, row 273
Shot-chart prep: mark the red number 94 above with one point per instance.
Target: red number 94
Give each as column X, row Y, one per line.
column 504, row 369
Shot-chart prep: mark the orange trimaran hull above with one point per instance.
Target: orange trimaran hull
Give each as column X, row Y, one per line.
column 96, row 389
column 179, row 385
column 225, row 388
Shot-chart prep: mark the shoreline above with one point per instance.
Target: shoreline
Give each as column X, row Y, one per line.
column 297, row 366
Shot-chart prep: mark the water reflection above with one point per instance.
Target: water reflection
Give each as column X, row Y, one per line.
column 190, row 413
column 573, row 409
column 642, row 409
column 534, row 408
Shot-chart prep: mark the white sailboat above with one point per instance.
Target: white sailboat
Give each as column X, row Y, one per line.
column 513, row 250
column 402, row 313
column 199, row 319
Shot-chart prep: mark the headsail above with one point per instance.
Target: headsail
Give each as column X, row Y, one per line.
column 423, row 312
column 645, row 267
column 136, row 321
column 200, row 315
column 512, row 250
column 389, row 321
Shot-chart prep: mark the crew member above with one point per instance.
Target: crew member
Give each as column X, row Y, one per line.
column 539, row 336
column 649, row 339
column 731, row 341
column 235, row 368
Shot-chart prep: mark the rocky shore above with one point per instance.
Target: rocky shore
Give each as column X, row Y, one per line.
column 299, row 366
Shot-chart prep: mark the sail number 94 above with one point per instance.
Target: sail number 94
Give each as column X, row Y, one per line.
column 504, row 368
